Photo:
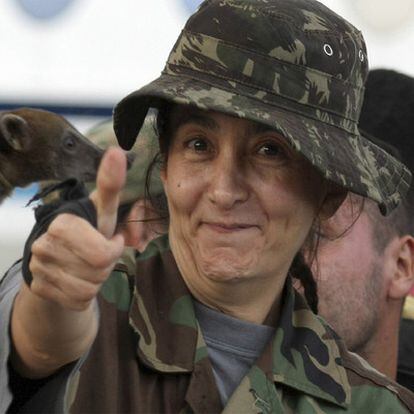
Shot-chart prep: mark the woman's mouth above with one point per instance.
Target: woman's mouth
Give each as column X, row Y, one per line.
column 228, row 227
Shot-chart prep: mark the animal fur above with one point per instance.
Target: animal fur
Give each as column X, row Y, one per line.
column 37, row 145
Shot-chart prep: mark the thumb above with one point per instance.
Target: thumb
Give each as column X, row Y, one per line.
column 109, row 184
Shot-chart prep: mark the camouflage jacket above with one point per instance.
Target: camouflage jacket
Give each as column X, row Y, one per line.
column 150, row 356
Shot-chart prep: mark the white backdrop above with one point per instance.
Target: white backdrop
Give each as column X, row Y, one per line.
column 94, row 52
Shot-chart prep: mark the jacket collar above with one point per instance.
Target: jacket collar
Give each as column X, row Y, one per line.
column 303, row 354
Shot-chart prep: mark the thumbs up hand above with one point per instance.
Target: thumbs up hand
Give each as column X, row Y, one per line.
column 109, row 184
column 72, row 259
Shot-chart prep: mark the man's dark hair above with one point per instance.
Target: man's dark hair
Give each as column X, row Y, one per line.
column 387, row 119
column 387, row 112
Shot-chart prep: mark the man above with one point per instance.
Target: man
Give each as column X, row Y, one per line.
column 139, row 212
column 365, row 262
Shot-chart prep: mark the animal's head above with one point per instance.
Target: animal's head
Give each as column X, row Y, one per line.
column 38, row 145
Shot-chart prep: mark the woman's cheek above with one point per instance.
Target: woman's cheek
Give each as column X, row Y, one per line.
column 183, row 195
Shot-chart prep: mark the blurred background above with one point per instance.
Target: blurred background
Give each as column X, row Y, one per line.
column 79, row 57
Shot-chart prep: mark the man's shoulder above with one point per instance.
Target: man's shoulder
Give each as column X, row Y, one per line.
column 405, row 374
column 368, row 383
column 155, row 248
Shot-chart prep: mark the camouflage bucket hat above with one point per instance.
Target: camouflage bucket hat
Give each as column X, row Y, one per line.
column 291, row 64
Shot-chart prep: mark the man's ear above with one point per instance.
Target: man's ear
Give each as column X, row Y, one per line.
column 335, row 196
column 134, row 229
column 14, row 132
column 402, row 270
column 137, row 232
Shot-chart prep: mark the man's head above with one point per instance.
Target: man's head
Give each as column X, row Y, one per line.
column 364, row 268
column 365, row 262
column 144, row 151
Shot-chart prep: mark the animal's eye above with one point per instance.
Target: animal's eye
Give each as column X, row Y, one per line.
column 69, row 143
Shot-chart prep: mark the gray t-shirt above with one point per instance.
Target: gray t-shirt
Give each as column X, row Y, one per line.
column 9, row 287
column 233, row 346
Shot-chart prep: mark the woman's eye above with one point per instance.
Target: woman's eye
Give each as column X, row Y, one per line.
column 270, row 149
column 198, row 145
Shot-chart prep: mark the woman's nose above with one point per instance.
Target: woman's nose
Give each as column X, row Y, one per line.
column 228, row 184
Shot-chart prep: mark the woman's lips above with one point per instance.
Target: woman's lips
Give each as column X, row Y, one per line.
column 228, row 228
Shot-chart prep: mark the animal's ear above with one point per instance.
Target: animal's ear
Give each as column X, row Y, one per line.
column 14, row 131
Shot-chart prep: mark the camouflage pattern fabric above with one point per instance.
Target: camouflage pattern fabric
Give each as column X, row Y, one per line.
column 145, row 149
column 150, row 356
column 291, row 64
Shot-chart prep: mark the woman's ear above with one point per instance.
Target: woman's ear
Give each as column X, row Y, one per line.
column 402, row 271
column 335, row 196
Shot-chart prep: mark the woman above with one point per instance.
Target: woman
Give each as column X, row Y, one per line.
column 258, row 107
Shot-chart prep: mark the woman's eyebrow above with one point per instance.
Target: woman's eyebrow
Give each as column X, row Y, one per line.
column 256, row 128
column 199, row 119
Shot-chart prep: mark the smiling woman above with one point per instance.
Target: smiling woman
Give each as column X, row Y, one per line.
column 259, row 143
column 241, row 204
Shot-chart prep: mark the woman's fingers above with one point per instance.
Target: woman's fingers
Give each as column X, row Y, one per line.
column 70, row 238
column 109, row 184
column 54, row 283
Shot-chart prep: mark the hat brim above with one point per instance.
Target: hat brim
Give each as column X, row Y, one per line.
column 347, row 159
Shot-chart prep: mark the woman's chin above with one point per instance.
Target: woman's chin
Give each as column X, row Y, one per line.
column 227, row 268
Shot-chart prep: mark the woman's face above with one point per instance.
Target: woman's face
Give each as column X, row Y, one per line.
column 241, row 201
